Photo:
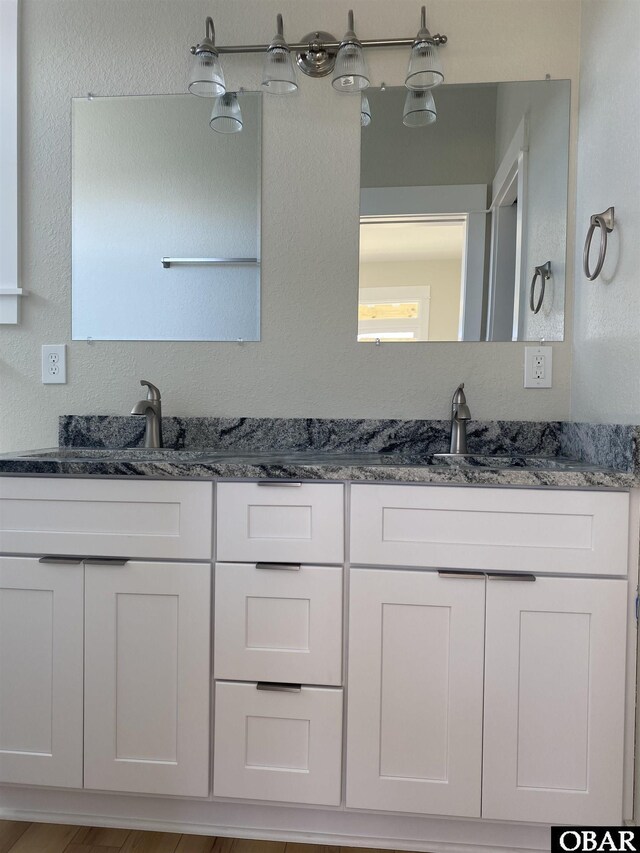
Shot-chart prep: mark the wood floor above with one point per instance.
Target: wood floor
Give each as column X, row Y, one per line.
column 19, row 837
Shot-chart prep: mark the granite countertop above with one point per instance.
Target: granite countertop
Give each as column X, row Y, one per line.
column 331, row 471
column 559, row 455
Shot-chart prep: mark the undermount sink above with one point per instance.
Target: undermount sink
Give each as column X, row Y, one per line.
column 302, row 457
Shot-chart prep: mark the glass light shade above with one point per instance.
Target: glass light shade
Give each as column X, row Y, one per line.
column 419, row 108
column 365, row 112
column 425, row 68
column 279, row 77
column 206, row 78
column 350, row 74
column 226, row 116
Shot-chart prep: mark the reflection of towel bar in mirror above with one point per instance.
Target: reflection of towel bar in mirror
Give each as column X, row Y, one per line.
column 220, row 262
column 543, row 272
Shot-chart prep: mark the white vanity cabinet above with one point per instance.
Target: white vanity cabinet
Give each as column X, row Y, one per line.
column 87, row 624
column 278, row 642
column 545, row 667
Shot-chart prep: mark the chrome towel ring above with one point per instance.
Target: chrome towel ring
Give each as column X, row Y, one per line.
column 604, row 221
column 542, row 272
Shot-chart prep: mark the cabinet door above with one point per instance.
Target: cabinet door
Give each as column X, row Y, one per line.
column 41, row 624
column 416, row 645
column 147, row 678
column 554, row 701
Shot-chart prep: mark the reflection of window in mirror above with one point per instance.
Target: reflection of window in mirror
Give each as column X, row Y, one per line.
column 411, row 277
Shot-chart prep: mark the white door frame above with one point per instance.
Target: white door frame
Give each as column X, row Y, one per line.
column 509, row 184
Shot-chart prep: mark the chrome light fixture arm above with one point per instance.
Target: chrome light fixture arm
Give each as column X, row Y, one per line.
column 208, row 43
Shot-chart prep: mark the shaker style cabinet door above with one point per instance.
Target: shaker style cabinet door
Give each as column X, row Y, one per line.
column 41, row 626
column 554, row 700
column 416, row 647
column 147, row 676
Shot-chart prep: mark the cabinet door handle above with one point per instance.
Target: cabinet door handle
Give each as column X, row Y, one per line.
column 278, row 687
column 285, row 567
column 462, row 576
column 59, row 560
column 513, row 576
column 283, row 484
column 106, row 561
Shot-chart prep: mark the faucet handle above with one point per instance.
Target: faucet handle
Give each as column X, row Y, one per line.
column 153, row 393
column 459, row 407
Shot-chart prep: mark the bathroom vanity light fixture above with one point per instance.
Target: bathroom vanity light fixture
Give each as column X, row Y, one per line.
column 317, row 55
column 226, row 116
column 419, row 108
column 350, row 71
column 365, row 112
column 279, row 76
column 425, row 68
column 206, row 78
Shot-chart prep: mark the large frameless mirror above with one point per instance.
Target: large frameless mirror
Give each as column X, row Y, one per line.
column 463, row 213
column 166, row 218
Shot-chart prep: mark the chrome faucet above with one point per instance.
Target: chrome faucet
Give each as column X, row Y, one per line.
column 152, row 409
column 460, row 414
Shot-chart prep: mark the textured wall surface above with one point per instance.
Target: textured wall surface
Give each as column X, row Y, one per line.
column 606, row 376
column 308, row 362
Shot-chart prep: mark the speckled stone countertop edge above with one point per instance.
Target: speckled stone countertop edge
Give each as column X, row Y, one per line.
column 427, row 474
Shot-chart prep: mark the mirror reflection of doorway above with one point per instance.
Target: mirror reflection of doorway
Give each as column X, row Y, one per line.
column 411, row 277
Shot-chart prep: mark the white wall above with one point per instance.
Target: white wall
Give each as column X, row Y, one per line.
column 606, row 375
column 308, row 362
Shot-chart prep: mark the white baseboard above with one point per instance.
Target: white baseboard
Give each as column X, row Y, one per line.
column 274, row 823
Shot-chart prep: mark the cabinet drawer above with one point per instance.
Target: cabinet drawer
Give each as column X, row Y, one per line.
column 528, row 530
column 280, row 522
column 111, row 518
column 278, row 624
column 279, row 746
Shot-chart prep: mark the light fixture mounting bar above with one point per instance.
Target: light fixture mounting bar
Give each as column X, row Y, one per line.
column 331, row 45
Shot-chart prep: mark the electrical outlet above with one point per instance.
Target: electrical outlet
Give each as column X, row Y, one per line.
column 54, row 364
column 538, row 363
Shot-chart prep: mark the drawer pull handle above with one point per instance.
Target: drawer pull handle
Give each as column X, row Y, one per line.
column 283, row 484
column 106, row 561
column 285, row 567
column 278, row 687
column 462, row 576
column 73, row 561
column 499, row 576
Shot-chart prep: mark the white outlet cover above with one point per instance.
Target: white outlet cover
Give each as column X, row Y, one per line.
column 54, row 364
column 538, row 360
